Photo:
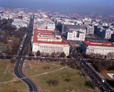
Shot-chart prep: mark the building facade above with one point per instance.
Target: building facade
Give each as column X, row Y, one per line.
column 112, row 38
column 75, row 35
column 103, row 31
column 19, row 24
column 97, row 47
column 90, row 29
column 106, row 34
column 66, row 28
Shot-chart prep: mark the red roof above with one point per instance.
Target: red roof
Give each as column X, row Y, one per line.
column 99, row 43
column 57, row 37
column 37, row 41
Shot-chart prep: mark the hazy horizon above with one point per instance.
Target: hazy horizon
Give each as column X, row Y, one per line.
column 73, row 6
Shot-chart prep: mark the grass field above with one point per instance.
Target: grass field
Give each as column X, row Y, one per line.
column 78, row 82
column 10, row 86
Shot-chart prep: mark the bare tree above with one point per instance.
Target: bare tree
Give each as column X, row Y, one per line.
column 110, row 55
column 4, row 39
column 53, row 82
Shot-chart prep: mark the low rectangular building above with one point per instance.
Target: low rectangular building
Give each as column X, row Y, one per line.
column 97, row 47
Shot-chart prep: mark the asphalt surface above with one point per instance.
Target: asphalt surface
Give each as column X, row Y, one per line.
column 98, row 82
column 95, row 78
column 32, row 86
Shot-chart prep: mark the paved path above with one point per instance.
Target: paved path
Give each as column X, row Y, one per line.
column 32, row 75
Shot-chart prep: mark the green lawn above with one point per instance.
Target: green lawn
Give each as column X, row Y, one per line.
column 35, row 68
column 77, row 83
column 10, row 86
column 3, row 65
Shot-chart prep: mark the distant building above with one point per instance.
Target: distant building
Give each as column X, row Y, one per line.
column 19, row 24
column 78, row 23
column 86, row 21
column 1, row 13
column 97, row 47
column 90, row 29
column 48, row 42
column 103, row 31
column 50, row 25
column 45, row 25
column 75, row 35
column 106, row 34
column 80, row 28
column 112, row 38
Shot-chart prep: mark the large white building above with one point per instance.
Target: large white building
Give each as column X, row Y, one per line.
column 19, row 24
column 75, row 35
column 97, row 47
column 47, row 42
column 44, row 25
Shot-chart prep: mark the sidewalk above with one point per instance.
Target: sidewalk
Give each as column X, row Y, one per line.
column 99, row 74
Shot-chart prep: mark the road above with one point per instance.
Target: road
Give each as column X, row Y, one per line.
column 95, row 78
column 88, row 71
column 32, row 86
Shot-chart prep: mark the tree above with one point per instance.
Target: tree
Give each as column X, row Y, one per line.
column 15, row 46
column 38, row 53
column 67, row 79
column 53, row 54
column 110, row 55
column 62, row 54
column 53, row 82
column 12, row 60
column 4, row 39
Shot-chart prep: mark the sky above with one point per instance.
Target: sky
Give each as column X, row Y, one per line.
column 73, row 6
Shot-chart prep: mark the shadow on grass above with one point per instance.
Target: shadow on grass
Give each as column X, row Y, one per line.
column 89, row 84
column 53, row 82
column 68, row 79
column 111, row 82
column 81, row 74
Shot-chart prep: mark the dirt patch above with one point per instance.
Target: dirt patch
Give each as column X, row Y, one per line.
column 14, row 78
column 73, row 91
column 77, row 75
column 67, row 90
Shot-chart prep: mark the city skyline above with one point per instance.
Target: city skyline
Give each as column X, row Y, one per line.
column 72, row 6
column 43, row 50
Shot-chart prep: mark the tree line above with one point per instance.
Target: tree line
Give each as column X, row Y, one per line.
column 10, row 30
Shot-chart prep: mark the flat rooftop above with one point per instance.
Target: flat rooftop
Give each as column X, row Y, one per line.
column 47, row 32
column 99, row 43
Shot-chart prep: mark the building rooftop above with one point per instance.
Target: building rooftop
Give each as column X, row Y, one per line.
column 99, row 43
column 47, row 32
column 75, row 26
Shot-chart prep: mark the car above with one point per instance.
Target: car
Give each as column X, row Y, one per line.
column 102, row 80
column 21, row 58
column 85, row 63
column 17, row 69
